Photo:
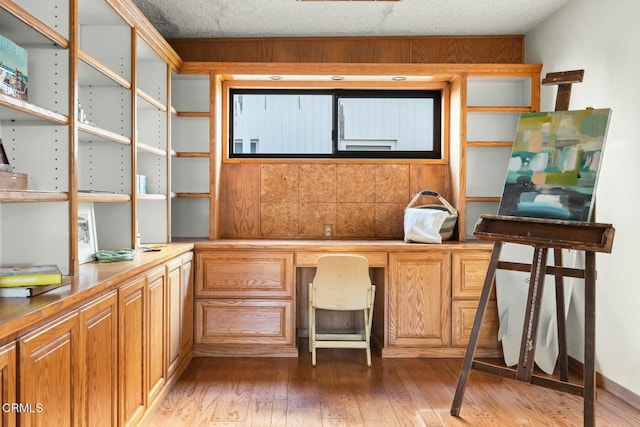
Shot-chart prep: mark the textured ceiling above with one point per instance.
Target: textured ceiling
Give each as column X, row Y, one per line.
column 292, row 18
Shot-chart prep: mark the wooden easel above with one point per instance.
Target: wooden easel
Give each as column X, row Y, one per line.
column 543, row 235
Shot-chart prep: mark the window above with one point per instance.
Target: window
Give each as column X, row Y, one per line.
column 335, row 123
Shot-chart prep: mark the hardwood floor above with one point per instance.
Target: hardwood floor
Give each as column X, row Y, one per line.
column 342, row 391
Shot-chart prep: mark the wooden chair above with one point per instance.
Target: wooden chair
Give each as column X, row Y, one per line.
column 341, row 283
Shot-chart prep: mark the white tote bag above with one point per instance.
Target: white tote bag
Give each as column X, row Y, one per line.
column 423, row 224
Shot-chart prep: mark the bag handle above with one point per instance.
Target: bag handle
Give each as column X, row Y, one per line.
column 442, row 200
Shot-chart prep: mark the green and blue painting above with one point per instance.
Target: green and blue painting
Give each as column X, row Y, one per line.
column 553, row 169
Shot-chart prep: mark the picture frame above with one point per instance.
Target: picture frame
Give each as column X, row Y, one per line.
column 4, row 159
column 87, row 236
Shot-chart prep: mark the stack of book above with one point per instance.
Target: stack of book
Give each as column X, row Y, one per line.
column 28, row 281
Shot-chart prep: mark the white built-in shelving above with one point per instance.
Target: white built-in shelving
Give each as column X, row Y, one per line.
column 97, row 115
column 493, row 107
column 152, row 144
column 104, row 120
column 190, row 161
column 36, row 136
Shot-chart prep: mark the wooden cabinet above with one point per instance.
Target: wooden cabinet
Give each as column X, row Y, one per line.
column 50, row 370
column 469, row 270
column 245, row 303
column 99, row 359
column 8, row 383
column 174, row 323
column 132, row 375
column 179, row 311
column 186, row 306
column 143, row 333
column 419, row 295
column 152, row 310
column 155, row 324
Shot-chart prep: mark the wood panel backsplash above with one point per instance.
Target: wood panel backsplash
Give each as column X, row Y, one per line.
column 297, row 200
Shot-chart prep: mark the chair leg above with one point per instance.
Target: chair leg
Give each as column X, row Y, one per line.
column 367, row 334
column 310, row 319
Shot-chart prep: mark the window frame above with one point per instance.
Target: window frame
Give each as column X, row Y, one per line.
column 437, row 94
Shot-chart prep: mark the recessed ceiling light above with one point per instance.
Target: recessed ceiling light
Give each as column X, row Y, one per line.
column 398, row 78
column 276, row 77
column 337, row 78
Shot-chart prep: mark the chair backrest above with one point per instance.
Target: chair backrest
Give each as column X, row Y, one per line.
column 342, row 282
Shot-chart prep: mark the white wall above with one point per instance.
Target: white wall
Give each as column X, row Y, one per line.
column 601, row 38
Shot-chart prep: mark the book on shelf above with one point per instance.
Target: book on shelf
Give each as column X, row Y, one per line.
column 28, row 291
column 30, row 275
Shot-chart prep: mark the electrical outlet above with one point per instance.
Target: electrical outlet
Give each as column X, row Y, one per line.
column 328, row 230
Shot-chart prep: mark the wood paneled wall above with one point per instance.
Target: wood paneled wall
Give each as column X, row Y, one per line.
column 296, row 200
column 399, row 50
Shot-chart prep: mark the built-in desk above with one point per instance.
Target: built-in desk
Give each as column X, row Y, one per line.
column 251, row 296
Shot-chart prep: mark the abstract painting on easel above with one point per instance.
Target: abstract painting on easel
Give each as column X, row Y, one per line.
column 553, row 169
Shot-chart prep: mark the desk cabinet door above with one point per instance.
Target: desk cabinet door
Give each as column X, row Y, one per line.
column 156, row 332
column 50, row 370
column 132, row 356
column 99, row 337
column 186, row 306
column 8, row 383
column 419, row 299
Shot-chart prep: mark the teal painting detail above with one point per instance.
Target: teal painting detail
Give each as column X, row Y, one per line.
column 554, row 164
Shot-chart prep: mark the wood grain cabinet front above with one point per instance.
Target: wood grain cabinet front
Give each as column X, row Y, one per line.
column 469, row 271
column 245, row 304
column 186, row 307
column 179, row 312
column 99, row 359
column 8, row 383
column 155, row 323
column 419, row 300
column 50, row 370
column 245, row 321
column 248, row 274
column 132, row 372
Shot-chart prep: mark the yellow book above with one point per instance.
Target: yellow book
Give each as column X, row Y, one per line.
column 31, row 275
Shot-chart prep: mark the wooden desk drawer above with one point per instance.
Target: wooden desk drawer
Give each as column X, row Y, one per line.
column 463, row 314
column 228, row 274
column 237, row 321
column 310, row 259
column 469, row 269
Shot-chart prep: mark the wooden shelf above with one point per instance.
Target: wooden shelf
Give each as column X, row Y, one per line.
column 100, row 197
column 489, row 143
column 490, row 199
column 32, row 196
column 152, row 197
column 101, row 75
column 31, row 30
column 149, row 149
column 102, row 134
column 193, row 154
column 18, row 110
column 191, row 195
column 204, row 114
column 497, row 109
column 150, row 101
